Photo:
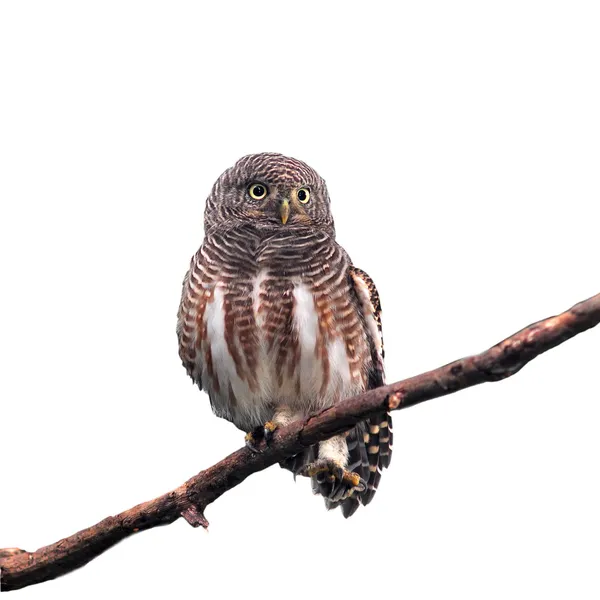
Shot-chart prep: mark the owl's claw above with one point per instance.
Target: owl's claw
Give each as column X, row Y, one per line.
column 258, row 434
column 333, row 481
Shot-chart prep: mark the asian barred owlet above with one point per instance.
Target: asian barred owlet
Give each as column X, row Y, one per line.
column 276, row 323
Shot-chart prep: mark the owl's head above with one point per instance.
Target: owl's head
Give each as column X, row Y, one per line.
column 271, row 190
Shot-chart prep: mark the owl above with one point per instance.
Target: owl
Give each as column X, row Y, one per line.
column 276, row 323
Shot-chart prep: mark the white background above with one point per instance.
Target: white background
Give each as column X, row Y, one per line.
column 460, row 142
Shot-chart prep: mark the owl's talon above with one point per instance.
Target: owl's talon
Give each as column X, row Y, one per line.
column 258, row 434
column 333, row 481
column 251, row 441
column 268, row 431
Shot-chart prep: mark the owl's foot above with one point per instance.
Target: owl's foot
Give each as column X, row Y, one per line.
column 332, row 481
column 258, row 434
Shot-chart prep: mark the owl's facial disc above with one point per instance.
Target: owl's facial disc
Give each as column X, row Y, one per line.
column 294, row 204
column 285, row 204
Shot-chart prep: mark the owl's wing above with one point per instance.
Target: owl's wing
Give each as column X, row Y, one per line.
column 375, row 435
column 189, row 317
column 370, row 307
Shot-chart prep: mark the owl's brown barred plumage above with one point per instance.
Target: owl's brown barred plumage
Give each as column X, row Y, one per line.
column 276, row 323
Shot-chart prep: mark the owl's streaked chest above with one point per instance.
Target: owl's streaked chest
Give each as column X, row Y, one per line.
column 282, row 329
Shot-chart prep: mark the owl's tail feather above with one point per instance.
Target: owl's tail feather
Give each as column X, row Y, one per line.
column 358, row 461
column 372, row 440
column 378, row 441
column 369, row 451
column 295, row 463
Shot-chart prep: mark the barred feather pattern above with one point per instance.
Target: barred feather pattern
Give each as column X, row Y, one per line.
column 370, row 443
column 255, row 285
column 276, row 317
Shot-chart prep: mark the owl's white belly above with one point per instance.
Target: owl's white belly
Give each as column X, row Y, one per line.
column 304, row 387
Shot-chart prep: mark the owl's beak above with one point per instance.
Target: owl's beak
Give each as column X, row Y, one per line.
column 284, row 210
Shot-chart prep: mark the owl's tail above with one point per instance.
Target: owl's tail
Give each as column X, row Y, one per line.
column 369, row 451
column 370, row 443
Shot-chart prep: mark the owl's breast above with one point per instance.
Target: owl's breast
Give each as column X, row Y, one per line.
column 281, row 342
column 283, row 327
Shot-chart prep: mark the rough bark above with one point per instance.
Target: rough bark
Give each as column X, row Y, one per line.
column 21, row 568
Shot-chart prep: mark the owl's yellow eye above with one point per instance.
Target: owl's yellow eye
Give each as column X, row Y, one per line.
column 258, row 191
column 303, row 195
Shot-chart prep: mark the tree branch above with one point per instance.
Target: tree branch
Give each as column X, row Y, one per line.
column 21, row 568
